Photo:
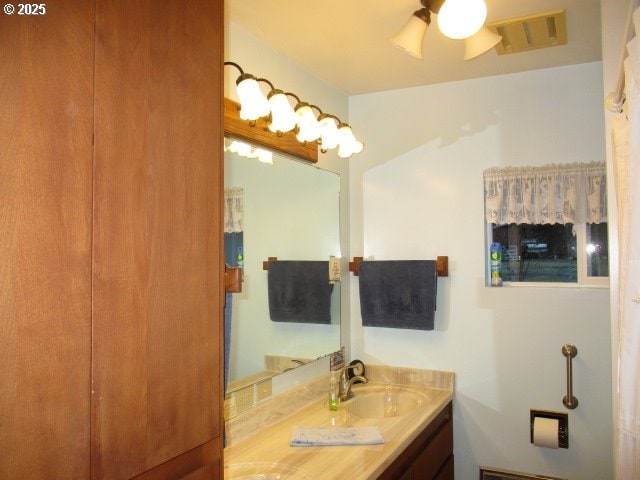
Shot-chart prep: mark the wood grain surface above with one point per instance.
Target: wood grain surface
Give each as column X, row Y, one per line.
column 157, row 267
column 46, row 127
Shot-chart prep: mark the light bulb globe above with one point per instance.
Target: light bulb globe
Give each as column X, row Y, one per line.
column 253, row 103
column 283, row 118
column 411, row 37
column 328, row 133
column 460, row 19
column 308, row 126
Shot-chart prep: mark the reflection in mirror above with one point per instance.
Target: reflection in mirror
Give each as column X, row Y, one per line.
column 288, row 209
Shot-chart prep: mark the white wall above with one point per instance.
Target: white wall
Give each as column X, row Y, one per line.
column 417, row 192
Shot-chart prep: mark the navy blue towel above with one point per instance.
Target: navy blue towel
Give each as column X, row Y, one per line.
column 398, row 293
column 228, row 314
column 299, row 291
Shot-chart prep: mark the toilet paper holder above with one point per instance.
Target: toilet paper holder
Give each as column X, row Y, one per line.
column 563, row 424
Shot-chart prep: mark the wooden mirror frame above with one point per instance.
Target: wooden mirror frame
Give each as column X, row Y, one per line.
column 259, row 134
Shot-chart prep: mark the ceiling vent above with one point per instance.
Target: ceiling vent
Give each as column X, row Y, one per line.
column 531, row 32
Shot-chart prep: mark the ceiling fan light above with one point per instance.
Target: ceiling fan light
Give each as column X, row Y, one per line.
column 460, row 19
column 283, row 118
column 480, row 42
column 253, row 103
column 411, row 37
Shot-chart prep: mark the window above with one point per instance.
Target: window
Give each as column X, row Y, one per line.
column 548, row 223
column 597, row 250
column 550, row 253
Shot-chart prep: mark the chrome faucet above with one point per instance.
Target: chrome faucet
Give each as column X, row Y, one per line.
column 346, row 383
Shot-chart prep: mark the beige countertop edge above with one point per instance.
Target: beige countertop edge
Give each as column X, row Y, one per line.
column 361, row 462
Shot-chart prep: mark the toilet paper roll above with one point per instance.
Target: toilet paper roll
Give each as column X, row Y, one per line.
column 546, row 432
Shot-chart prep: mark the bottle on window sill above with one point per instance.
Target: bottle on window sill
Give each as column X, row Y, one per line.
column 496, row 262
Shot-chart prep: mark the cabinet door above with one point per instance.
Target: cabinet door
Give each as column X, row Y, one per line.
column 157, row 271
column 46, row 127
column 446, row 473
column 408, row 474
column 435, row 455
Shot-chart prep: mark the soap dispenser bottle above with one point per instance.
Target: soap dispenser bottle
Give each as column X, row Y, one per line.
column 334, row 391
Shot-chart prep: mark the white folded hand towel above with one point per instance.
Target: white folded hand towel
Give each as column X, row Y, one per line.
column 309, row 436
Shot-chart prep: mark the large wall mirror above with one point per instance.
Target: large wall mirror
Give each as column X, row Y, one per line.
column 288, row 209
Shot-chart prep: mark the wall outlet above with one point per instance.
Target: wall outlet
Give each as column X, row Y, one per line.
column 264, row 389
column 334, row 269
column 336, row 360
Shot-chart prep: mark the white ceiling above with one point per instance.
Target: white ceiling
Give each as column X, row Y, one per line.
column 345, row 42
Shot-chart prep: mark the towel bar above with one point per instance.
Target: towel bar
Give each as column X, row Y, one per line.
column 265, row 265
column 442, row 266
column 232, row 279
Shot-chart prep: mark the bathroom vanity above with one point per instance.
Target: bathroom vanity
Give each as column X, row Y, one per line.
column 411, row 408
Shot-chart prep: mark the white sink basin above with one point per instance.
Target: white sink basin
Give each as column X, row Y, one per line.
column 263, row 471
column 382, row 401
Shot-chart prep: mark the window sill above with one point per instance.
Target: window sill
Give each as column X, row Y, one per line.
column 553, row 285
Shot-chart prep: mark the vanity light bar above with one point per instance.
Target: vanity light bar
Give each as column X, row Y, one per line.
column 325, row 129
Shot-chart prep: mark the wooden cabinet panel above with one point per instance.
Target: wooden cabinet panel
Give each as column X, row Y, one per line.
column 203, row 462
column 429, row 455
column 408, row 474
column 46, row 151
column 157, row 267
column 435, row 454
column 446, row 473
column 111, row 274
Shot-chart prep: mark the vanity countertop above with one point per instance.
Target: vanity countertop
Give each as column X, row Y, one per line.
column 362, row 462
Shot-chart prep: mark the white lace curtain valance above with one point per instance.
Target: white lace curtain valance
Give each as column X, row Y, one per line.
column 233, row 208
column 565, row 193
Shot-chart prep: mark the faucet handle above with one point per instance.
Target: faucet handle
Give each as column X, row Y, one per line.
column 355, row 369
column 346, row 368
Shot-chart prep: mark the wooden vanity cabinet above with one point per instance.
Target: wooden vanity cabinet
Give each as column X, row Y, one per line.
column 430, row 455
